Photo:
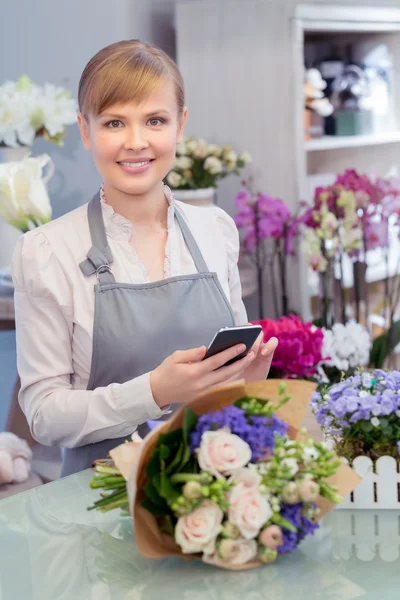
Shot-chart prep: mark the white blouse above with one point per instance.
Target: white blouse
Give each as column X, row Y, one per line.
column 54, row 312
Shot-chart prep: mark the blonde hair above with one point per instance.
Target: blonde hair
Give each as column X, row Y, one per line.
column 123, row 72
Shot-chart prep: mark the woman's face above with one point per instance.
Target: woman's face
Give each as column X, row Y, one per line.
column 134, row 144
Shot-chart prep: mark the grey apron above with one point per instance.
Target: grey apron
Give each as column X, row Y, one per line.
column 136, row 326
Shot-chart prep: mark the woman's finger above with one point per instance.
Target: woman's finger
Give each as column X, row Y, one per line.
column 230, row 371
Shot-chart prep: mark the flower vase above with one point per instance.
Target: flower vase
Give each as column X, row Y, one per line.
column 201, row 197
column 8, row 234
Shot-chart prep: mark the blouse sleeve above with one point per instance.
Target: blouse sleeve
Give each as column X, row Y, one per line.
column 57, row 414
column 230, row 234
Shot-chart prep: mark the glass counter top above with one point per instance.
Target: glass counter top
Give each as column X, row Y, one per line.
column 52, row 548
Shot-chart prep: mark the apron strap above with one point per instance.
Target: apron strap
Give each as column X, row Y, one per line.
column 99, row 257
column 191, row 243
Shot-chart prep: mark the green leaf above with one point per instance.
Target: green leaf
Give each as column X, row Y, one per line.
column 164, row 452
column 174, row 464
column 168, row 491
column 366, row 426
column 155, row 510
column 189, row 423
column 379, row 351
column 153, row 495
column 384, row 422
column 154, row 465
column 276, row 518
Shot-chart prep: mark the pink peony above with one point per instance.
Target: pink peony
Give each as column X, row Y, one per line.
column 300, row 346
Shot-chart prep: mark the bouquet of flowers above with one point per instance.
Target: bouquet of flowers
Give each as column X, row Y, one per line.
column 362, row 414
column 200, row 165
column 229, row 479
column 300, row 349
column 28, row 110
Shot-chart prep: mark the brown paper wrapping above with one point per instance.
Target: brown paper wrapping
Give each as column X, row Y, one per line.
column 152, row 543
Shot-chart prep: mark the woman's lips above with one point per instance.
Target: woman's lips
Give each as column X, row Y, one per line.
column 136, row 167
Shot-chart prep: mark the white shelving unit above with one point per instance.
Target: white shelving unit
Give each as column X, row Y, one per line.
column 377, row 153
column 338, row 142
column 243, row 65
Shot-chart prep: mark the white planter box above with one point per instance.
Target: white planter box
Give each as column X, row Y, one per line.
column 380, row 485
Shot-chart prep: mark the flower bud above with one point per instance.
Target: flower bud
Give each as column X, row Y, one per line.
column 226, row 549
column 230, row 530
column 308, row 490
column 290, row 493
column 271, row 537
column 268, row 555
column 192, row 490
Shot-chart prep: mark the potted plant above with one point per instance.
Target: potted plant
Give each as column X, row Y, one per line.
column 199, row 166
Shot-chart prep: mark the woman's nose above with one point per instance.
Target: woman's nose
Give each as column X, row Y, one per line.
column 136, row 139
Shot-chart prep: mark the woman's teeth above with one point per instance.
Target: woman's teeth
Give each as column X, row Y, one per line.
column 135, row 164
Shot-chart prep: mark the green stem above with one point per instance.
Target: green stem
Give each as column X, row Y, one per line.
column 185, row 477
column 108, row 499
column 122, row 503
column 98, row 482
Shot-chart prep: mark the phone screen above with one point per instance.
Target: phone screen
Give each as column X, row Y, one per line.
column 232, row 336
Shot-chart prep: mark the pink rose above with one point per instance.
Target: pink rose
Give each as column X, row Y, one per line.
column 248, row 510
column 234, row 552
column 221, row 453
column 197, row 531
column 249, row 477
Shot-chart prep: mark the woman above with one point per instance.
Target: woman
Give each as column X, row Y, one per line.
column 116, row 300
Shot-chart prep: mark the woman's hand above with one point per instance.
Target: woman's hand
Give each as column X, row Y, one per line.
column 263, row 354
column 184, row 375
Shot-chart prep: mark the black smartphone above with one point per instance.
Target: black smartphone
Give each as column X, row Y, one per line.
column 231, row 336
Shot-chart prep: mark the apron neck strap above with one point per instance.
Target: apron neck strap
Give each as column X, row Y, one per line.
column 191, row 243
column 99, row 257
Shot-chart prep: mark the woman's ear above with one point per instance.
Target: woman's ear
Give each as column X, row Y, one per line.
column 181, row 125
column 84, row 129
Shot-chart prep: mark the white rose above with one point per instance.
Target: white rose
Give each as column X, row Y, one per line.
column 236, row 552
column 248, row 510
column 181, row 149
column 198, row 531
column 214, row 150
column 191, row 145
column 183, row 162
column 213, row 165
column 201, row 149
column 246, row 158
column 249, row 478
column 230, row 156
column 174, row 179
column 222, row 452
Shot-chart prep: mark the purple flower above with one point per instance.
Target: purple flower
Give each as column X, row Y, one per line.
column 351, row 404
column 304, row 526
column 357, row 416
column 367, row 401
column 258, row 432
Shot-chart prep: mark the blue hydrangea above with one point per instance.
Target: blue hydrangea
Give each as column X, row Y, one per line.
column 258, row 432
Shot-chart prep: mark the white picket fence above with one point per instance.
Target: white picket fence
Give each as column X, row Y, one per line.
column 380, row 485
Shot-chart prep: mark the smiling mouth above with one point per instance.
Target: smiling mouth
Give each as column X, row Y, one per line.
column 136, row 165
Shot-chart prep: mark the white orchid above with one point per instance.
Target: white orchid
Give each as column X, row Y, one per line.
column 24, row 201
column 28, row 110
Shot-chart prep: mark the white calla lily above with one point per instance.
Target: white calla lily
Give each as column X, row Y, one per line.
column 24, row 201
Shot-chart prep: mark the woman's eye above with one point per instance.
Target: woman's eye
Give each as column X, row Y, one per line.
column 155, row 122
column 113, row 124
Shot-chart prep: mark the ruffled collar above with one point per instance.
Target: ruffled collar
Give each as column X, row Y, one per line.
column 119, row 228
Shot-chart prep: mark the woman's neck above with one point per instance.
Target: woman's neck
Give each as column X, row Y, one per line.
column 146, row 210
